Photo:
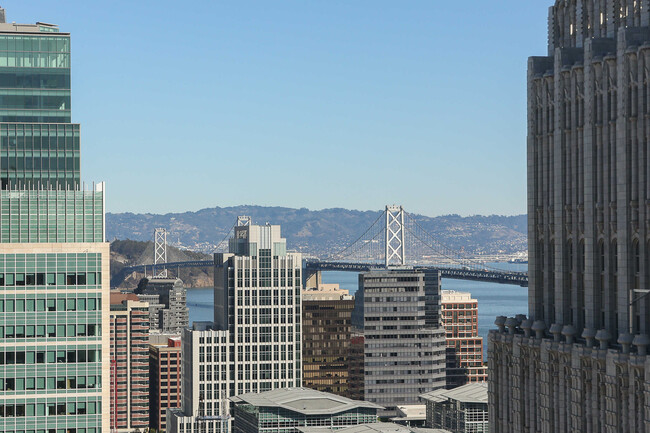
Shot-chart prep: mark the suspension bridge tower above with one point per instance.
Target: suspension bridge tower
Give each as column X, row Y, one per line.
column 395, row 236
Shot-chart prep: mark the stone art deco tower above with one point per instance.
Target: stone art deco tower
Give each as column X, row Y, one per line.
column 584, row 365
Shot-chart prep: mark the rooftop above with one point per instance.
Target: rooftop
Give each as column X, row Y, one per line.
column 39, row 27
column 379, row 427
column 118, row 298
column 454, row 296
column 412, row 412
column 303, row 400
column 470, row 393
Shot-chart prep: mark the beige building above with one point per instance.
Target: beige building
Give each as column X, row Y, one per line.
column 578, row 362
column 459, row 317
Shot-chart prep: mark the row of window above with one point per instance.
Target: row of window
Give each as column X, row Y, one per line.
column 446, row 306
column 50, row 356
column 60, row 383
column 50, row 331
column 49, row 409
column 389, row 289
column 34, row 60
column 44, row 163
column 50, row 279
column 59, row 304
column 30, row 79
column 60, row 430
column 53, row 44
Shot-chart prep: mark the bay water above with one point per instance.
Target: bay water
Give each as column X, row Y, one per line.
column 493, row 299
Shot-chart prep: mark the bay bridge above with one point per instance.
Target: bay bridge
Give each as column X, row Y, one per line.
column 394, row 240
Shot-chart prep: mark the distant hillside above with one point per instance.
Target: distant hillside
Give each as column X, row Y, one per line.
column 318, row 233
column 127, row 253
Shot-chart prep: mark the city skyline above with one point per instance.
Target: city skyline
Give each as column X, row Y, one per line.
column 372, row 99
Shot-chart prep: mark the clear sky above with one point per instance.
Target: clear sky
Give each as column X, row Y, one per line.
column 316, row 104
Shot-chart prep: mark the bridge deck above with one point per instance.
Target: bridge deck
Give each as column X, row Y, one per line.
column 311, row 266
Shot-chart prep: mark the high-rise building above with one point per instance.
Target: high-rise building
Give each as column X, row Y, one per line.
column 459, row 317
column 54, row 275
column 578, row 362
column 356, row 377
column 326, row 325
column 165, row 381
column 254, row 343
column 129, row 363
column 167, row 298
column 207, row 380
column 404, row 342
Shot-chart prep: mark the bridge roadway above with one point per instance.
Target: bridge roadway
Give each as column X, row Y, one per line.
column 485, row 275
column 312, row 266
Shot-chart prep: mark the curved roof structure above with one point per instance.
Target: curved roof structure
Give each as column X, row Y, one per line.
column 303, row 400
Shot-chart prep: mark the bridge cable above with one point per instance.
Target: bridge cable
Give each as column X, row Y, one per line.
column 339, row 254
column 449, row 251
column 225, row 238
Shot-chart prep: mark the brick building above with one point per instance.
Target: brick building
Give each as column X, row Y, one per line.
column 129, row 322
column 164, row 380
column 459, row 316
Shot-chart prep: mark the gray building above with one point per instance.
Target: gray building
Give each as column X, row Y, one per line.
column 404, row 351
column 287, row 410
column 459, row 410
column 578, row 361
column 167, row 298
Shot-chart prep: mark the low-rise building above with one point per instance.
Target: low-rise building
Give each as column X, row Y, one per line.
column 459, row 410
column 412, row 415
column 287, row 410
column 165, row 381
column 377, row 427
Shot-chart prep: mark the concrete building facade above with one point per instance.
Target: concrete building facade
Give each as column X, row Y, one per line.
column 578, row 361
column 167, row 298
column 459, row 317
column 404, row 353
column 129, row 363
column 54, row 261
column 460, row 410
column 165, row 381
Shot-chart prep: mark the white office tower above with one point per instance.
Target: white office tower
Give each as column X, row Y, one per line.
column 257, row 300
column 254, row 344
column 206, row 382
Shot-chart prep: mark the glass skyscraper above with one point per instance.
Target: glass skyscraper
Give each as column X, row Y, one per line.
column 54, row 276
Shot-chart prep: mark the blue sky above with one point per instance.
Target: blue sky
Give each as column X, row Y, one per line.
column 316, row 104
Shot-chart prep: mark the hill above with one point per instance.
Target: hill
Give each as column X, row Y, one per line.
column 318, row 233
column 128, row 252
